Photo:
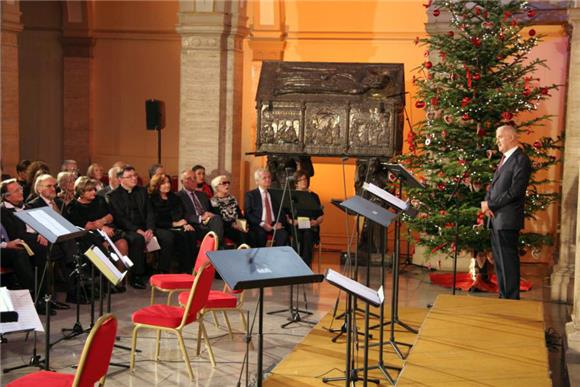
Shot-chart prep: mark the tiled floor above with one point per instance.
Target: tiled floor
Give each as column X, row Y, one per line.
column 415, row 291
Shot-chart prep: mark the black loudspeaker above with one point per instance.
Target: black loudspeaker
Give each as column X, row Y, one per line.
column 155, row 114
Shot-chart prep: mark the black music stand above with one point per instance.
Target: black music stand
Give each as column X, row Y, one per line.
column 400, row 206
column 55, row 229
column 258, row 269
column 383, row 218
column 355, row 289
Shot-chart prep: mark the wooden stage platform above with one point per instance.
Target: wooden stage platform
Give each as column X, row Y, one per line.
column 463, row 341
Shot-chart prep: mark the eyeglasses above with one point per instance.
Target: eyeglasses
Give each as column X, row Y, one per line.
column 129, row 176
column 15, row 191
column 225, row 183
column 302, row 179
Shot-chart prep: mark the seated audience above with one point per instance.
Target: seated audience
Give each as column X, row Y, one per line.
column 132, row 213
column 198, row 208
column 200, row 183
column 169, row 215
column 70, row 166
column 113, row 182
column 21, row 168
column 35, row 169
column 307, row 237
column 225, row 204
column 66, row 185
column 261, row 212
column 96, row 172
column 92, row 212
column 156, row 169
column 15, row 257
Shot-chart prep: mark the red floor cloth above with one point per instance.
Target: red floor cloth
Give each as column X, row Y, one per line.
column 465, row 282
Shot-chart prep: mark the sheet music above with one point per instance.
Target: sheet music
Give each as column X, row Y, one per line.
column 386, row 196
column 27, row 316
column 354, row 287
column 6, row 304
column 107, row 262
column 116, row 254
column 55, row 227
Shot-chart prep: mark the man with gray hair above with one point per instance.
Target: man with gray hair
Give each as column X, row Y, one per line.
column 261, row 212
column 504, row 207
column 113, row 182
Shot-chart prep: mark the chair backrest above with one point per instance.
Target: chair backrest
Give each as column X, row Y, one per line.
column 209, row 243
column 198, row 293
column 227, row 289
column 94, row 361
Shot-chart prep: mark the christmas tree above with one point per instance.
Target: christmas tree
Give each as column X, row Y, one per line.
column 475, row 78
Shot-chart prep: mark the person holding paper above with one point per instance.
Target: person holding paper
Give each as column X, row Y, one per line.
column 307, row 222
column 261, row 212
column 14, row 256
column 132, row 213
column 169, row 215
column 225, row 204
column 92, row 213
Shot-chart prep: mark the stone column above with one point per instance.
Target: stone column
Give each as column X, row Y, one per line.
column 573, row 327
column 212, row 33
column 77, row 54
column 10, row 111
column 563, row 272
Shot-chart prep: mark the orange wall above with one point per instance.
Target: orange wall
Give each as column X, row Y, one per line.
column 340, row 31
column 136, row 57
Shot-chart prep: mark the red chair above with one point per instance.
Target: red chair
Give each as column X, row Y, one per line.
column 173, row 319
column 93, row 364
column 223, row 301
column 171, row 283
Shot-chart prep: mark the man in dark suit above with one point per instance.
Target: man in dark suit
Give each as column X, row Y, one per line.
column 16, row 229
column 198, row 208
column 504, row 206
column 113, row 183
column 261, row 211
column 133, row 214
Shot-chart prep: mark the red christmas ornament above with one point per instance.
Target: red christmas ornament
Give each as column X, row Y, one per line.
column 480, row 132
column 465, row 101
column 537, row 145
column 485, row 14
column 428, row 65
column 532, row 32
column 436, row 12
column 476, row 77
column 476, row 41
column 450, row 34
column 420, row 104
column 506, row 15
column 532, row 13
column 465, row 117
column 527, row 92
column 461, row 162
column 442, row 212
column 434, row 101
column 501, row 35
column 441, row 186
column 514, row 23
column 444, row 133
column 544, row 91
column 429, row 76
column 442, row 55
column 506, row 116
column 477, row 10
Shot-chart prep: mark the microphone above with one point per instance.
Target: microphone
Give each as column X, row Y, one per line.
column 290, row 174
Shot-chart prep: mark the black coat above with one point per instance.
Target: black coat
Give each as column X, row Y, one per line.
column 119, row 203
column 507, row 194
column 253, row 208
column 190, row 214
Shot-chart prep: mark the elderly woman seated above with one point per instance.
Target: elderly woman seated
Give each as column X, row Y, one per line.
column 226, row 205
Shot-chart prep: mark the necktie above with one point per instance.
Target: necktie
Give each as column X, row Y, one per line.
column 268, row 218
column 54, row 206
column 501, row 162
column 196, row 204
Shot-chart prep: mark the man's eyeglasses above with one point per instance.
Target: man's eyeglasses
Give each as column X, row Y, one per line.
column 225, row 183
column 129, row 176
